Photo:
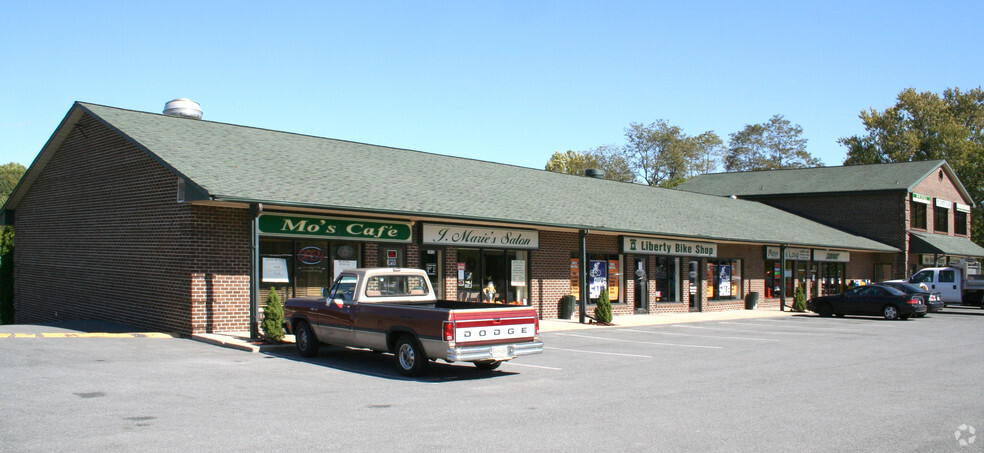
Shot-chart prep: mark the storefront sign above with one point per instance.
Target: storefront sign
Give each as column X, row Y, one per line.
column 963, row 207
column 792, row 253
column 652, row 246
column 464, row 236
column 333, row 228
column 835, row 256
column 946, row 204
column 597, row 277
column 920, row 198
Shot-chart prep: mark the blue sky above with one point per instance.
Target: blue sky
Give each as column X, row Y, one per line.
column 509, row 81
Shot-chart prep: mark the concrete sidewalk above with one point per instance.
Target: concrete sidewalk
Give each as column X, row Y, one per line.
column 241, row 340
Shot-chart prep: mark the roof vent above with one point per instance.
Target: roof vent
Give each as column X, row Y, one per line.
column 184, row 108
column 594, row 173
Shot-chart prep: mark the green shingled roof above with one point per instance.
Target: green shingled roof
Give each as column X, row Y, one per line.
column 245, row 164
column 901, row 176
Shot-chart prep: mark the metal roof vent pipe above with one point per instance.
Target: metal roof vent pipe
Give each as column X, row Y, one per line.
column 184, row 108
column 594, row 173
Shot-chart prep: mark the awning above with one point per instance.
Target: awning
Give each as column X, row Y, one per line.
column 938, row 244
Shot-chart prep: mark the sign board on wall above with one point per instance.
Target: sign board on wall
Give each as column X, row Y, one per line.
column 920, row 198
column 653, row 246
column 946, row 204
column 792, row 253
column 467, row 236
column 333, row 228
column 835, row 256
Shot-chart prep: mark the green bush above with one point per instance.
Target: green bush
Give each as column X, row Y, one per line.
column 273, row 318
column 603, row 311
column 799, row 300
column 6, row 275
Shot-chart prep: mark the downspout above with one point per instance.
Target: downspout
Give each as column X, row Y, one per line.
column 254, row 269
column 583, row 276
column 782, row 289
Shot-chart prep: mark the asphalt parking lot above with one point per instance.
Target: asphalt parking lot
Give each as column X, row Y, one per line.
column 789, row 383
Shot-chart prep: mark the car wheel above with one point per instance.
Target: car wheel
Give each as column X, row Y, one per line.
column 410, row 357
column 825, row 310
column 305, row 340
column 890, row 312
column 488, row 365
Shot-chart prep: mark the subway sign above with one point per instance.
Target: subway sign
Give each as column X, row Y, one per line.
column 333, row 228
column 652, row 246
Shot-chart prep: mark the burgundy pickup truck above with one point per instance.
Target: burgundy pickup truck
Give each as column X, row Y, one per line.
column 395, row 310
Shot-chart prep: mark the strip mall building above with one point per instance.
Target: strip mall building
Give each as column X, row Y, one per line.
column 184, row 225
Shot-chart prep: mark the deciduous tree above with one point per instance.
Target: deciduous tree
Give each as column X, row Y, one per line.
column 773, row 145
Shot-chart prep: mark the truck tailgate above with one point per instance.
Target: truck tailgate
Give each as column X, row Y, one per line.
column 494, row 325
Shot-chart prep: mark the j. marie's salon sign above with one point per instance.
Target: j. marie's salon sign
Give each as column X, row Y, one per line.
column 467, row 236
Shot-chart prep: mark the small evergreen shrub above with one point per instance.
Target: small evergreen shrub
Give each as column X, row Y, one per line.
column 6, row 275
column 799, row 300
column 603, row 311
column 273, row 318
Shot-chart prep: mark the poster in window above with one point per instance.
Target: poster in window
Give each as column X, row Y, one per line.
column 274, row 270
column 518, row 273
column 597, row 277
column 724, row 280
column 344, row 265
column 613, row 274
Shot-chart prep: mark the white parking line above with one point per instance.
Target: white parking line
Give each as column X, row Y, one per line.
column 510, row 363
column 797, row 327
column 641, row 342
column 602, row 353
column 657, row 332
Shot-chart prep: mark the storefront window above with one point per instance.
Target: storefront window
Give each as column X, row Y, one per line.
column 723, row 279
column 773, row 279
column 941, row 219
column 488, row 275
column 667, row 279
column 960, row 223
column 604, row 274
column 303, row 267
column 917, row 215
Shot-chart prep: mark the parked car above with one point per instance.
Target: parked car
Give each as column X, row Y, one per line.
column 932, row 300
column 872, row 300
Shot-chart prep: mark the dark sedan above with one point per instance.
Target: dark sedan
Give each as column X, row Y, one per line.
column 933, row 301
column 872, row 300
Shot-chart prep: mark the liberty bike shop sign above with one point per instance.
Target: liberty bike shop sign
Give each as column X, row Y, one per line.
column 333, row 228
column 653, row 246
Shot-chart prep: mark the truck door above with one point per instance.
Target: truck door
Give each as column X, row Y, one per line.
column 336, row 323
column 949, row 285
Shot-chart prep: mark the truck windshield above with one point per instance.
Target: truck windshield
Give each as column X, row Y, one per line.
column 396, row 285
column 922, row 277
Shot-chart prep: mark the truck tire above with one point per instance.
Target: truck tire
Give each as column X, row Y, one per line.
column 410, row 357
column 305, row 340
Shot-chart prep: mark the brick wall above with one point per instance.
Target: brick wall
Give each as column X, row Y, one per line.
column 219, row 273
column 101, row 236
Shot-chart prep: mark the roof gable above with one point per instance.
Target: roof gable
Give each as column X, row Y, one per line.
column 901, row 176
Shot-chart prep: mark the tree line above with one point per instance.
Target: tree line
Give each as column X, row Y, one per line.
column 661, row 154
column 920, row 126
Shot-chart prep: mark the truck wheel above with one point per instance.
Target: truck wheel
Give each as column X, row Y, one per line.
column 890, row 312
column 488, row 365
column 410, row 357
column 304, row 339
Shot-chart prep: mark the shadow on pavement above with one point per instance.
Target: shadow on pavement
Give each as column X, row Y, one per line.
column 380, row 365
column 82, row 326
